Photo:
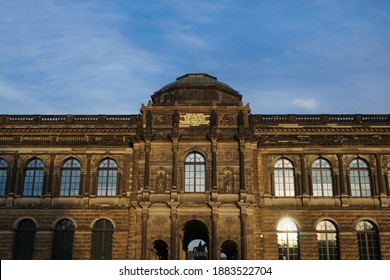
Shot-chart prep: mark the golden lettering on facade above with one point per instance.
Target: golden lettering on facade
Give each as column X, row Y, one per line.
column 194, row 120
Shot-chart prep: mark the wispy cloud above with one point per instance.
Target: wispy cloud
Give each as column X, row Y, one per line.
column 79, row 63
column 109, row 56
column 309, row 103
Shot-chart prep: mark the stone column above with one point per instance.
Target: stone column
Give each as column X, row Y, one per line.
column 214, row 215
column 175, row 146
column 305, row 183
column 173, row 254
column 243, row 216
column 49, row 189
column 341, row 175
column 88, row 187
column 14, row 175
column 123, row 189
column 145, row 216
column 381, row 183
column 147, row 163
column 135, row 178
column 242, row 164
column 214, row 162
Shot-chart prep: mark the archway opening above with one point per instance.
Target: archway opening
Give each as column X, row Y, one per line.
column 229, row 250
column 195, row 241
column 160, row 249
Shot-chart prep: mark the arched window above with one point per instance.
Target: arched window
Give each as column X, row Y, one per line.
column 327, row 237
column 284, row 178
column 107, row 178
column 388, row 175
column 102, row 240
column 288, row 240
column 63, row 240
column 160, row 250
column 359, row 178
column 321, row 175
column 195, row 169
column 70, row 178
column 24, row 240
column 33, row 180
column 368, row 240
column 3, row 176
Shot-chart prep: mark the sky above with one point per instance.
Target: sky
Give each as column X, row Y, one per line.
column 109, row 56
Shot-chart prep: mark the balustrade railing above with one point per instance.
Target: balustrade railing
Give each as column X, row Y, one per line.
column 68, row 119
column 321, row 119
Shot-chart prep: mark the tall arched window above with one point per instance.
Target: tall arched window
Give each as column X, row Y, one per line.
column 63, row 240
column 327, row 237
column 388, row 176
column 359, row 178
column 3, row 176
column 102, row 240
column 107, row 178
column 70, row 178
column 195, row 173
column 33, row 180
column 368, row 240
column 284, row 178
column 24, row 240
column 288, row 240
column 321, row 175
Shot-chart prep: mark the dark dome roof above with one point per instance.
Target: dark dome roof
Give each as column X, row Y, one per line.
column 196, row 89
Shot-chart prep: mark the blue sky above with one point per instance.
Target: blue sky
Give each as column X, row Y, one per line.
column 109, row 56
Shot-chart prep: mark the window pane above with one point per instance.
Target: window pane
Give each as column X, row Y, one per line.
column 107, row 178
column 63, row 240
column 328, row 248
column 102, row 240
column 195, row 173
column 288, row 245
column 284, row 178
column 388, row 174
column 321, row 178
column 24, row 240
column 33, row 180
column 368, row 241
column 3, row 176
column 359, row 178
column 70, row 179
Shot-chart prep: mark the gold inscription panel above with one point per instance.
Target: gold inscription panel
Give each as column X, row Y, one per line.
column 194, row 119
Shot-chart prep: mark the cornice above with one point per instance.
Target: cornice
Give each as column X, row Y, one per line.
column 323, row 140
column 63, row 140
column 322, row 129
column 66, row 130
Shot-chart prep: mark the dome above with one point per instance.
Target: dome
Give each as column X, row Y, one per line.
column 196, row 89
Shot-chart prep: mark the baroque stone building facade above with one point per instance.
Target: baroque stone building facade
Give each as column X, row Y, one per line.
column 195, row 175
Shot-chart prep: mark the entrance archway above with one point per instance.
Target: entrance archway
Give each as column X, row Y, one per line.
column 229, row 250
column 196, row 241
column 160, row 249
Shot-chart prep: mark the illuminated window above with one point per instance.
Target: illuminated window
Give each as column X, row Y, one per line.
column 284, row 178
column 368, row 240
column 102, row 240
column 322, row 178
column 33, row 180
column 3, row 176
column 70, row 179
column 195, row 169
column 24, row 240
column 288, row 240
column 63, row 240
column 359, row 178
column 107, row 178
column 328, row 248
